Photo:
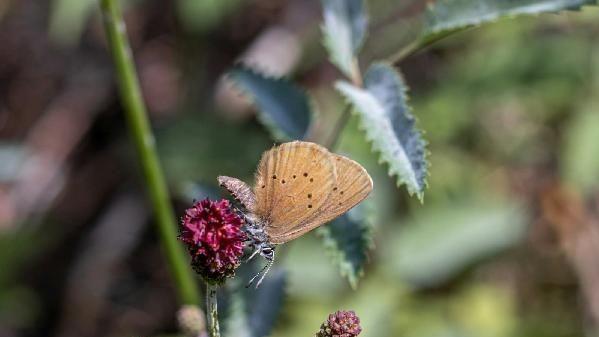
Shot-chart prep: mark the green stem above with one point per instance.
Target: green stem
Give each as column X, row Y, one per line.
column 212, row 310
column 405, row 52
column 139, row 127
column 338, row 128
column 420, row 44
column 356, row 78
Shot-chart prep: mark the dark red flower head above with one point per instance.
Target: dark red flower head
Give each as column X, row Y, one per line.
column 340, row 324
column 214, row 238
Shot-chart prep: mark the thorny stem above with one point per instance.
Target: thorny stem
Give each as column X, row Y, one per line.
column 139, row 127
column 212, row 310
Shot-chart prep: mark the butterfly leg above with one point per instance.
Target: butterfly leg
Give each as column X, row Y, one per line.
column 256, row 251
column 254, row 278
column 262, row 272
column 268, row 252
column 241, row 214
column 268, row 266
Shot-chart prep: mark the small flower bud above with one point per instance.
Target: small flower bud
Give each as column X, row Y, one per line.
column 191, row 320
column 340, row 324
column 214, row 237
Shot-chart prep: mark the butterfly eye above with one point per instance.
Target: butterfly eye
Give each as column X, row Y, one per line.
column 267, row 252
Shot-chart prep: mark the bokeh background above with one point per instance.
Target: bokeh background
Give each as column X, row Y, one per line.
column 506, row 242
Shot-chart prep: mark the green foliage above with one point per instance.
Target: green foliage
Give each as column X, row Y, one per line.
column 344, row 30
column 185, row 157
column 480, row 309
column 388, row 124
column 446, row 16
column 580, row 163
column 497, row 103
column 347, row 239
column 200, row 16
column 68, row 19
column 439, row 243
column 282, row 107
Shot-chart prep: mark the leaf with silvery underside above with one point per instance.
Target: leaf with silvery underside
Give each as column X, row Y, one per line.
column 282, row 107
column 388, row 123
column 347, row 239
column 344, row 30
column 253, row 312
column 446, row 16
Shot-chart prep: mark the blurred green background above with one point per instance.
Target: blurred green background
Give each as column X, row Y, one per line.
column 506, row 242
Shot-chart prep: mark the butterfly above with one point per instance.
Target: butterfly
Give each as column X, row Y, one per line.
column 298, row 187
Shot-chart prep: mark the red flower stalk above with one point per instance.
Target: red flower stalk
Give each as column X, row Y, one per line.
column 214, row 237
column 340, row 324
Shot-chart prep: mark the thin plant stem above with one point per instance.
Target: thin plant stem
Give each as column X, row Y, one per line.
column 139, row 127
column 356, row 78
column 338, row 127
column 420, row 44
column 403, row 53
column 212, row 310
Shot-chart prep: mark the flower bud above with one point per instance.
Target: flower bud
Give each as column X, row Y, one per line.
column 340, row 324
column 214, row 238
column 191, row 320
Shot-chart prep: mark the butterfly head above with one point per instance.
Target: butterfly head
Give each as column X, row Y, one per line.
column 267, row 250
column 254, row 228
column 260, row 243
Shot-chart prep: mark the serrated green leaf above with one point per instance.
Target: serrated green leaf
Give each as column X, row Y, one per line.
column 442, row 18
column 282, row 107
column 450, row 15
column 344, row 30
column 386, row 118
column 347, row 239
column 253, row 312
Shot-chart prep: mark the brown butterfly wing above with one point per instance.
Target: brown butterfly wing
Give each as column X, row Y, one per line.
column 239, row 190
column 293, row 182
column 353, row 185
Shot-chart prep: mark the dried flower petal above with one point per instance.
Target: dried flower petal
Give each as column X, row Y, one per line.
column 214, row 237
